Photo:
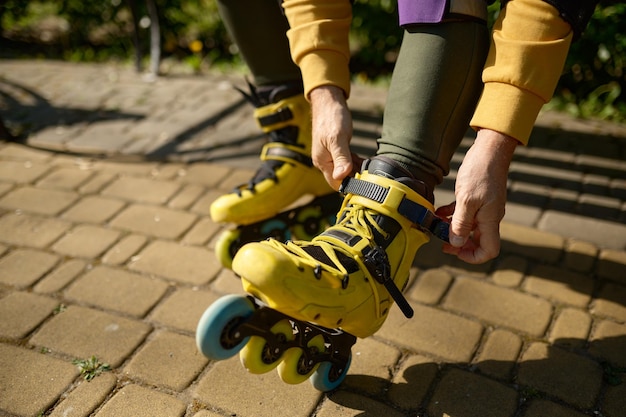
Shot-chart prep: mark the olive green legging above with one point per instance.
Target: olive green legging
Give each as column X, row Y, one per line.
column 434, row 89
column 259, row 29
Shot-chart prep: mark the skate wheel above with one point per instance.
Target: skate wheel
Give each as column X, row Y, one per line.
column 258, row 357
column 328, row 376
column 276, row 229
column 309, row 223
column 216, row 334
column 295, row 369
column 226, row 247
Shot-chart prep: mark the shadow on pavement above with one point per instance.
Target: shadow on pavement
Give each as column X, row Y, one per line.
column 567, row 377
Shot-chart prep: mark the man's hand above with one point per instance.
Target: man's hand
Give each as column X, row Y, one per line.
column 480, row 198
column 332, row 131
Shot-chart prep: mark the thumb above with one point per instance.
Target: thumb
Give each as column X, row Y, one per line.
column 461, row 225
column 342, row 161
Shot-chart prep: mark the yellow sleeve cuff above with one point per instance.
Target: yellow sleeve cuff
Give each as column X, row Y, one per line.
column 325, row 67
column 529, row 46
column 507, row 109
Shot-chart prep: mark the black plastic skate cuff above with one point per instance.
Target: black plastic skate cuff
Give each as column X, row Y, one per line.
column 413, row 211
column 377, row 263
column 283, row 114
column 286, row 153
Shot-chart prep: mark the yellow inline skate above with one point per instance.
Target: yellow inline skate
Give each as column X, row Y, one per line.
column 309, row 301
column 263, row 207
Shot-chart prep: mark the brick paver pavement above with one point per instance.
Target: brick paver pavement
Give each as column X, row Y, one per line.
column 106, row 251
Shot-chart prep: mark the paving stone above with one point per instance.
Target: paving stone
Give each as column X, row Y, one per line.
column 5, row 187
column 227, row 283
column 168, row 360
column 371, row 366
column 461, row 393
column 123, row 250
column 266, row 395
column 348, row 404
column 206, row 413
column 96, row 183
column 154, row 221
column 574, row 379
column 21, row 312
column 64, row 178
column 203, row 204
column 82, row 333
column 558, row 285
column 21, row 172
column 599, row 206
column 85, row 397
column 138, row 168
column 93, row 209
column 571, row 328
column 22, row 153
column 86, row 241
column 208, row 175
column 30, row 199
column 612, row 265
column 611, row 302
column 183, row 308
column 23, row 267
column 31, row 382
column 61, row 276
column 412, row 382
column 532, row 243
column 521, row 214
column 510, row 271
column 500, row 306
column 431, row 285
column 100, row 137
column 608, row 342
column 603, row 234
column 615, row 401
column 433, row 331
column 26, row 230
column 186, row 196
column 188, row 264
column 201, row 232
column 580, row 256
column 544, row 408
column 136, row 401
column 499, row 354
column 142, row 190
column 118, row 290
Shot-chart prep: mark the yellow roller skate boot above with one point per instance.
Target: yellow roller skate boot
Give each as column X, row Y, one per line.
column 349, row 276
column 287, row 172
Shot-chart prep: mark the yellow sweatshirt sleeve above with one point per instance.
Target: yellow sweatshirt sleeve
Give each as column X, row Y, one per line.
column 319, row 41
column 529, row 45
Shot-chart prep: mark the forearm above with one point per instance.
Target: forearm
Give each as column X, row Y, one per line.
column 319, row 41
column 529, row 46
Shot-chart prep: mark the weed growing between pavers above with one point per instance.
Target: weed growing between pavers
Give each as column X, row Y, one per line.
column 90, row 368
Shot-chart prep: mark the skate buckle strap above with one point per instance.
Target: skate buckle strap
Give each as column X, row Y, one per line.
column 377, row 263
column 413, row 211
column 283, row 152
column 282, row 114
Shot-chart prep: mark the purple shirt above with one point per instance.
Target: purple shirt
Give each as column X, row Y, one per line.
column 421, row 11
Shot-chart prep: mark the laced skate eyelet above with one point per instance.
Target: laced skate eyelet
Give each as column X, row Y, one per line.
column 318, row 272
column 344, row 281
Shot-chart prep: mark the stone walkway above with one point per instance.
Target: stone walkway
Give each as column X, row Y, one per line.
column 107, row 252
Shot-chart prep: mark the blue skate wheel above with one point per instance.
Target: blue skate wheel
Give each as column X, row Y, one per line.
column 327, row 377
column 276, row 229
column 216, row 334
